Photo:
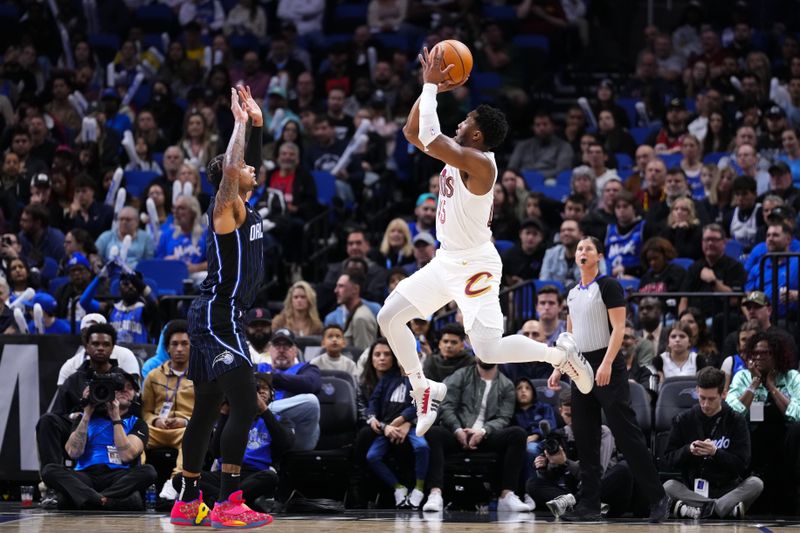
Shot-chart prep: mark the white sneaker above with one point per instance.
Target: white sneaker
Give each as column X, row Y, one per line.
column 561, row 504
column 529, row 502
column 168, row 492
column 400, row 496
column 415, row 498
column 428, row 402
column 511, row 502
column 575, row 365
column 434, row 503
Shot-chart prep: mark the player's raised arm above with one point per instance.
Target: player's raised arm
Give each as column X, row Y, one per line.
column 228, row 206
column 462, row 156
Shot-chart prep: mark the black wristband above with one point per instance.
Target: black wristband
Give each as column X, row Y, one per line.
column 116, row 422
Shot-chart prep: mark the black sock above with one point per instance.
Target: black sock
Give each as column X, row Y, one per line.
column 190, row 490
column 229, row 485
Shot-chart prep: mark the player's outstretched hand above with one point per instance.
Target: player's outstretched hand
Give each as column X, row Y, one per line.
column 238, row 109
column 253, row 109
column 432, row 71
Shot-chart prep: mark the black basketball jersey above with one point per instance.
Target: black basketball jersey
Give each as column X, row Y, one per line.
column 235, row 261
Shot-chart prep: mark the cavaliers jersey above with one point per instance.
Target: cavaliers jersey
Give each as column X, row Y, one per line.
column 463, row 220
column 235, row 261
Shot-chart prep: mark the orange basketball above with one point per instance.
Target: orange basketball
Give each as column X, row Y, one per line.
column 456, row 53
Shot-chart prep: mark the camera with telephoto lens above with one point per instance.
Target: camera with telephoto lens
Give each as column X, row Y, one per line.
column 551, row 442
column 103, row 388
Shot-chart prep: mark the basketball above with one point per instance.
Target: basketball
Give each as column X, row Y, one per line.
column 456, row 53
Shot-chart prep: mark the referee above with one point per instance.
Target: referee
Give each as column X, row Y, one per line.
column 597, row 320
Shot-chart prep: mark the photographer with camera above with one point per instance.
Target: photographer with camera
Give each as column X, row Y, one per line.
column 53, row 427
column 558, row 470
column 268, row 440
column 106, row 443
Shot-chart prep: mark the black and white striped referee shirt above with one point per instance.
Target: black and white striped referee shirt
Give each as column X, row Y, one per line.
column 588, row 310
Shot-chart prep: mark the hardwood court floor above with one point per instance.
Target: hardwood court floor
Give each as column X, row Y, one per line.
column 35, row 521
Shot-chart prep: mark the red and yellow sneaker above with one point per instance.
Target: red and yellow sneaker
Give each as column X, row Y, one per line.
column 235, row 514
column 193, row 513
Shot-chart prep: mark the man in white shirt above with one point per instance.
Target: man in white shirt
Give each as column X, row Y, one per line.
column 125, row 358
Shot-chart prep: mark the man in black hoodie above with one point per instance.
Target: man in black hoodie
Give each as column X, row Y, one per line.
column 710, row 444
column 451, row 355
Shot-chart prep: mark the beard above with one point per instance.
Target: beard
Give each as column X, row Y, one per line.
column 258, row 340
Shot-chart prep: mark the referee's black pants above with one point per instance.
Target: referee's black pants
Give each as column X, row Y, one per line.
column 614, row 399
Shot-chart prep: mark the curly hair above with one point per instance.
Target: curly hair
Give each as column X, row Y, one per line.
column 492, row 124
column 780, row 352
column 659, row 245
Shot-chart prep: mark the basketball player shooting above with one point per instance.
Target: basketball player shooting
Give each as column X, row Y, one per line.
column 219, row 363
column 467, row 267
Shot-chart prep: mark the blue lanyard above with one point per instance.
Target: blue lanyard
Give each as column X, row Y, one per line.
column 174, row 391
column 583, row 287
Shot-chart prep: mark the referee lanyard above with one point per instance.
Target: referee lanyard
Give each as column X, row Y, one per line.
column 583, row 287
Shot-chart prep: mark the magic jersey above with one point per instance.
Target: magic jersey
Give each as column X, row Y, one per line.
column 463, row 219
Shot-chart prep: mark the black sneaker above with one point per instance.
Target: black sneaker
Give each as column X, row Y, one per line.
column 581, row 513
column 660, row 511
column 49, row 500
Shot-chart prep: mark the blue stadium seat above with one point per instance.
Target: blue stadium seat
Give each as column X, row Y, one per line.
column 500, row 13
column 671, row 160
column 167, row 274
column 630, row 284
column 540, row 42
column 639, row 134
column 564, row 177
column 105, row 45
column 629, row 105
column 49, row 268
column 484, row 86
column 734, row 249
column 533, row 179
column 56, row 283
column 556, row 192
column 350, row 11
column 156, row 18
column 713, row 158
column 326, row 187
column 336, row 38
column 683, row 262
column 393, row 40
column 502, row 245
column 153, row 40
column 623, row 161
column 136, row 181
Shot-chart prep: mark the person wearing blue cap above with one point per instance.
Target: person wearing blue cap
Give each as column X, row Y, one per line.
column 68, row 295
column 425, row 213
column 51, row 324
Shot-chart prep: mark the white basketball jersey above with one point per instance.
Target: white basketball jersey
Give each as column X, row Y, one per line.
column 463, row 219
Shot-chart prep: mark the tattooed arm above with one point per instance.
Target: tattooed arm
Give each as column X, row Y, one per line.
column 77, row 439
column 228, row 206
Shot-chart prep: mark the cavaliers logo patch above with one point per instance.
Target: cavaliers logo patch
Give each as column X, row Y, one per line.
column 471, row 290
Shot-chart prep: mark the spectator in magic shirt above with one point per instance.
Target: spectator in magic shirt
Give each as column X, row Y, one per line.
column 51, row 324
column 185, row 239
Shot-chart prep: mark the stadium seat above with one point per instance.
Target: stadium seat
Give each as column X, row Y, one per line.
column 683, row 262
column 168, row 274
column 341, row 374
column 105, row 45
column 544, row 394
column 640, row 402
column 136, row 181
column 676, row 395
column 336, row 38
column 325, row 471
column 555, row 192
column 533, row 179
column 671, row 160
column 564, row 178
column 630, row 284
column 503, row 14
column 713, row 158
column 56, row 283
column 629, row 105
column 49, row 269
column 623, row 160
column 393, row 40
column 734, row 249
column 639, row 134
column 502, row 245
column 326, row 187
column 540, row 42
column 156, row 18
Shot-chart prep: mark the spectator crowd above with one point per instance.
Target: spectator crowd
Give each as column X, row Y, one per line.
column 682, row 159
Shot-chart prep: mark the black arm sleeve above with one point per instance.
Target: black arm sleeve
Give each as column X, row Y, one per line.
column 252, row 152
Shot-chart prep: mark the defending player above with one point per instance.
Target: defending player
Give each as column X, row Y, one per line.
column 219, row 364
column 467, row 267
